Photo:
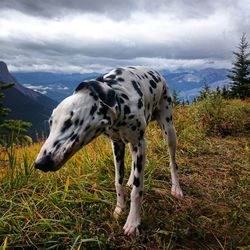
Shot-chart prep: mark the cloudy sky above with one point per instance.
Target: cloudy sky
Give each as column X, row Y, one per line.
column 96, row 35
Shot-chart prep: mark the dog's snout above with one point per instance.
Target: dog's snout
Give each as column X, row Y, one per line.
column 45, row 164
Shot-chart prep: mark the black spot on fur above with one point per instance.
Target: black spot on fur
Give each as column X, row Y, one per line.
column 110, row 99
column 141, row 193
column 120, row 180
column 131, row 67
column 137, row 88
column 71, row 113
column 139, row 163
column 87, row 128
column 106, row 97
column 58, row 146
column 81, row 122
column 45, row 152
column 73, row 137
column 76, row 122
column 153, row 84
column 110, row 81
column 55, row 143
column 127, row 110
column 119, row 150
column 167, row 119
column 141, row 134
column 146, row 76
column 138, row 123
column 136, row 181
column 67, row 124
column 151, row 90
column 131, row 117
column 153, row 76
column 119, row 71
column 140, row 104
column 93, row 109
column 111, row 76
column 169, row 100
column 121, row 100
column 125, row 96
column 120, row 79
column 133, row 128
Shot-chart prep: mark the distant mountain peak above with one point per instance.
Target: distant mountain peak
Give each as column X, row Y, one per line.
column 24, row 103
column 3, row 67
column 5, row 76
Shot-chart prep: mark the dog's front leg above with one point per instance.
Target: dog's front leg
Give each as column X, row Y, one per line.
column 119, row 151
column 134, row 218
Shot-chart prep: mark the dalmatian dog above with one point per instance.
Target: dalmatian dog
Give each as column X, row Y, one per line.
column 119, row 104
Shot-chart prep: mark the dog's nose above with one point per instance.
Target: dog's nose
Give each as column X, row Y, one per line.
column 45, row 164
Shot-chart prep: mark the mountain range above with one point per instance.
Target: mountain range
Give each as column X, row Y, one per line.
column 187, row 83
column 35, row 94
column 25, row 103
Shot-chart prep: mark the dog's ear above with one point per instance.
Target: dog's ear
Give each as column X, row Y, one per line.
column 100, row 90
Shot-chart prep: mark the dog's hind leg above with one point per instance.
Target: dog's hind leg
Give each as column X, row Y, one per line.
column 119, row 151
column 165, row 119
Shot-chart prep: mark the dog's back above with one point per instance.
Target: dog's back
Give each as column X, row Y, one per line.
column 139, row 88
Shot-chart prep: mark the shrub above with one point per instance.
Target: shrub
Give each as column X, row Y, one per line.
column 215, row 115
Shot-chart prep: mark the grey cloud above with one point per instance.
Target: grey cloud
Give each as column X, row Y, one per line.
column 117, row 9
column 57, row 8
column 64, row 54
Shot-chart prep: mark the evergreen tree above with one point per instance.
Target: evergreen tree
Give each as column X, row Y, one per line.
column 225, row 92
column 240, row 73
column 204, row 92
column 176, row 99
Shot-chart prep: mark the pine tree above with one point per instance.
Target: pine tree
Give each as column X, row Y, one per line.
column 176, row 100
column 240, row 73
column 204, row 92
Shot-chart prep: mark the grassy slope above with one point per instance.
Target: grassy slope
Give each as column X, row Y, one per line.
column 73, row 207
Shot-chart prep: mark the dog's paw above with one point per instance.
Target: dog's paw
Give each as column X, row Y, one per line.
column 132, row 226
column 117, row 212
column 176, row 191
column 130, row 182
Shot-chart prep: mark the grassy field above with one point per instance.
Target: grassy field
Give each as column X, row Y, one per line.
column 72, row 208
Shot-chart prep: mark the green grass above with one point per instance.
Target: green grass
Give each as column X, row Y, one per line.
column 72, row 208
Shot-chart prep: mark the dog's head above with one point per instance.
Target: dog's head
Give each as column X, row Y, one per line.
column 76, row 121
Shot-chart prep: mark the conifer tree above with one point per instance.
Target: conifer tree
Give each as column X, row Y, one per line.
column 176, row 100
column 240, row 73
